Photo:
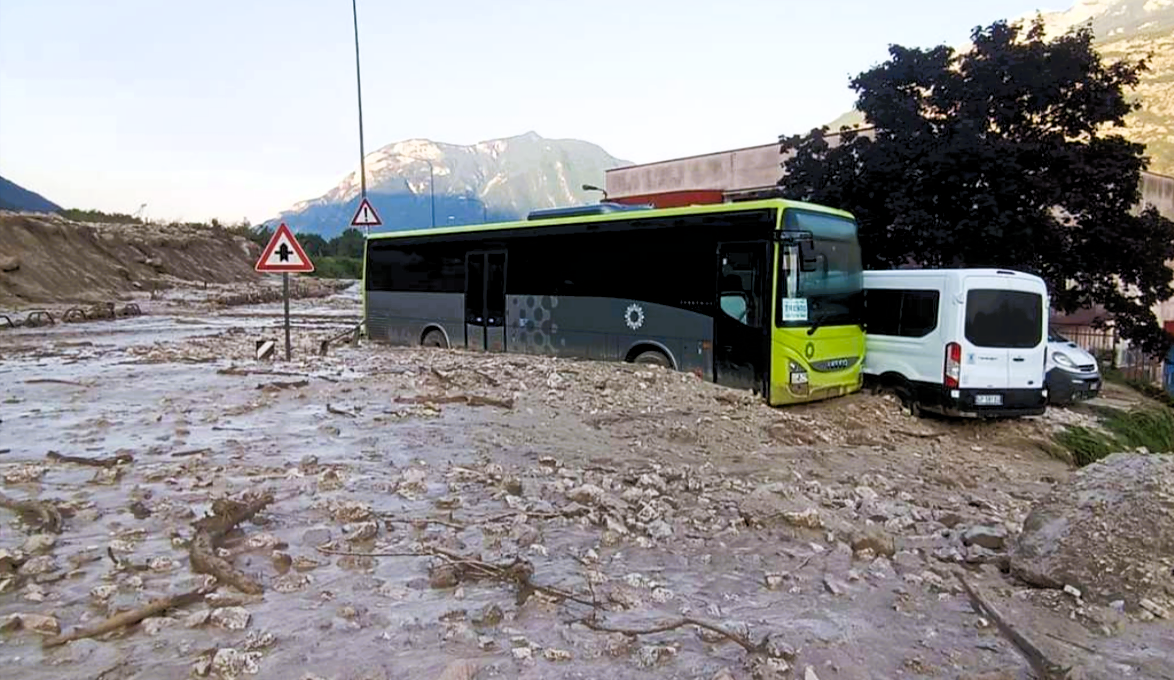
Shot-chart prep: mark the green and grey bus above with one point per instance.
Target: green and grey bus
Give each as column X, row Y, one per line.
column 763, row 295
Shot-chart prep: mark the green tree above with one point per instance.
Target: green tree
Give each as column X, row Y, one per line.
column 314, row 245
column 1001, row 156
column 348, row 244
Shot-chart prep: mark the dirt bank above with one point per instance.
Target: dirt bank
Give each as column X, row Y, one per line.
column 48, row 259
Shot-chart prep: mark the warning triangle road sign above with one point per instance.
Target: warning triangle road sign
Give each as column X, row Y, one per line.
column 284, row 254
column 366, row 216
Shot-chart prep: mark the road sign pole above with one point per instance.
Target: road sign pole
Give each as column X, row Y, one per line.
column 285, row 290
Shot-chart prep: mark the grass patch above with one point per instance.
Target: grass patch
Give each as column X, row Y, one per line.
column 1150, row 427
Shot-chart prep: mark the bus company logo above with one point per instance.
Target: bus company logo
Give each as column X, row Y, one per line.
column 634, row 316
column 809, row 350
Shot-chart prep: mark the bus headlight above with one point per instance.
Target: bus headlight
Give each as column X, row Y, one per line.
column 798, row 377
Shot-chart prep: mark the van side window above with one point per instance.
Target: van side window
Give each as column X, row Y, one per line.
column 903, row 313
column 882, row 311
column 919, row 313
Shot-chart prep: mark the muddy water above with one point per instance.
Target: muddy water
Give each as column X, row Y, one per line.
column 342, row 448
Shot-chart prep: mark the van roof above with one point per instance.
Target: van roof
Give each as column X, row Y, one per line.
column 948, row 272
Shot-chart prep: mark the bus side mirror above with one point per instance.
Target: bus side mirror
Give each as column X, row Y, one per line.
column 808, row 261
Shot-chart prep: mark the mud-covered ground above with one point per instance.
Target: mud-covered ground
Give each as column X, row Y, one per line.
column 431, row 506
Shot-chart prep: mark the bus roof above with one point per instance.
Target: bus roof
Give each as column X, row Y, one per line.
column 777, row 203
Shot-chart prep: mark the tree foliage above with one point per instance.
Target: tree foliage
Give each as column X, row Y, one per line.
column 81, row 215
column 1001, row 156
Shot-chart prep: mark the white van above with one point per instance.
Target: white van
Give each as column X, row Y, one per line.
column 960, row 342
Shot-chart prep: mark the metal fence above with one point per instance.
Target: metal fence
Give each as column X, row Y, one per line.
column 1114, row 353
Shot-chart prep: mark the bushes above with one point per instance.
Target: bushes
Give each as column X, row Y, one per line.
column 1151, row 427
column 336, row 267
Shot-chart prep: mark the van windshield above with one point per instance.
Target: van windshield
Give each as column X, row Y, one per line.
column 1004, row 318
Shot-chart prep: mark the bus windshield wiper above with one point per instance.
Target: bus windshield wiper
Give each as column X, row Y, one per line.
column 816, row 324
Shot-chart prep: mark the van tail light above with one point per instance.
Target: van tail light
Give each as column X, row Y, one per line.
column 952, row 374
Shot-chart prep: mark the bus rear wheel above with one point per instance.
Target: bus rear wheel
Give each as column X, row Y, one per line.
column 652, row 357
column 434, row 338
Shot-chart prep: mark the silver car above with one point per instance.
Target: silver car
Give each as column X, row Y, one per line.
column 1072, row 373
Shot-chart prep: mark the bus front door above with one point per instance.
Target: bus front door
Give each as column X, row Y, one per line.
column 739, row 340
column 485, row 301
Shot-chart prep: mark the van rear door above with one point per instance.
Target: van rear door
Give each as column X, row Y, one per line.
column 1003, row 341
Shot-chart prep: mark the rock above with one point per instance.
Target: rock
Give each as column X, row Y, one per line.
column 39, row 623
column 103, row 592
column 834, row 585
column 39, row 543
column 443, row 576
column 292, row 582
column 951, row 519
column 512, row 486
column 522, row 653
column 10, row 561
column 588, row 494
column 1154, row 608
column 873, row 537
column 655, row 655
column 808, row 519
column 413, row 483
column 9, row 263
column 491, row 615
column 155, row 624
column 1103, row 531
column 865, row 493
column 263, row 541
column 723, row 674
column 551, row 654
column 282, row 562
column 989, row 536
column 353, row 511
column 363, row 531
column 303, row 563
column 232, row 663
column 231, row 618
column 660, row 529
column 42, row 564
column 197, row 619
column 161, row 564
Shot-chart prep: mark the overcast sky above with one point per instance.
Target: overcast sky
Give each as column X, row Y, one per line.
column 239, row 108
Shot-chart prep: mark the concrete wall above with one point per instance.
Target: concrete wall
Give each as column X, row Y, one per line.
column 756, row 166
column 1158, row 191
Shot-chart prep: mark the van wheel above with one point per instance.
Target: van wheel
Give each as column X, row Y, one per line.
column 652, row 357
column 902, row 390
column 434, row 338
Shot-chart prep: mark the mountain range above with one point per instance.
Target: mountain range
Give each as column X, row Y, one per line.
column 15, row 197
column 494, row 180
column 1122, row 29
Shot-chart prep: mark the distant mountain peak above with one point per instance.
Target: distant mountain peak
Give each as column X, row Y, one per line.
column 504, row 177
column 17, row 198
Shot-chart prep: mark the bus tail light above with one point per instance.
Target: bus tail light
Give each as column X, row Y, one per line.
column 952, row 373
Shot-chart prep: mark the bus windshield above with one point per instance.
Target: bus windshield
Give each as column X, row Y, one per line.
column 832, row 294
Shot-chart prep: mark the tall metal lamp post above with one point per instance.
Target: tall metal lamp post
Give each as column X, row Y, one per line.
column 359, row 86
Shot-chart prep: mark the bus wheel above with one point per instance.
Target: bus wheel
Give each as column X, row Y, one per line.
column 434, row 338
column 652, row 357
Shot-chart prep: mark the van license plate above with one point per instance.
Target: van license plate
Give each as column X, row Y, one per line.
column 988, row 400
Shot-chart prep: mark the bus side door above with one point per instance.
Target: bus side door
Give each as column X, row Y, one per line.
column 739, row 339
column 485, row 301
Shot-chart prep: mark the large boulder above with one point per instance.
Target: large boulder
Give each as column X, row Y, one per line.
column 1108, row 531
